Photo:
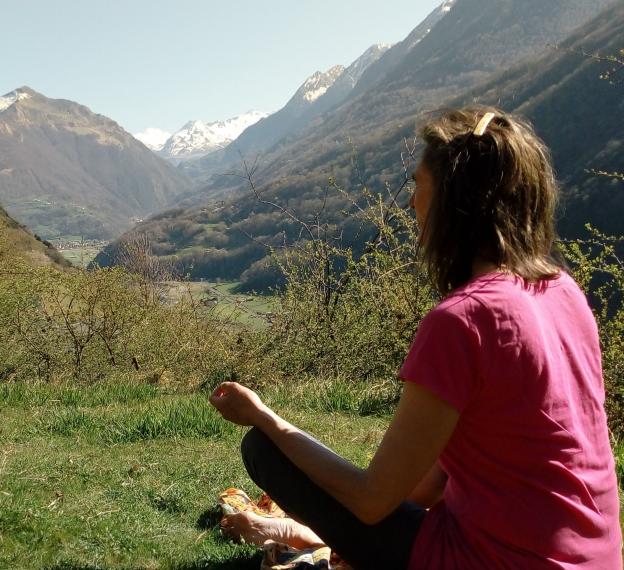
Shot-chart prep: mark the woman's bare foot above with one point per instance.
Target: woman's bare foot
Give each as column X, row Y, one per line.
column 255, row 529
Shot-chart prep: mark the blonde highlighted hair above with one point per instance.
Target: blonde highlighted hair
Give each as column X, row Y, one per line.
column 494, row 197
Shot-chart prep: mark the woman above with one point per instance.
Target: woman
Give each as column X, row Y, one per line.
column 498, row 455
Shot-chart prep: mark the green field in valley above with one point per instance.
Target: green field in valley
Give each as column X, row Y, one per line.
column 80, row 257
column 226, row 302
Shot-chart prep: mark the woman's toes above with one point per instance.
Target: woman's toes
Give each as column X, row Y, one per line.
column 229, row 526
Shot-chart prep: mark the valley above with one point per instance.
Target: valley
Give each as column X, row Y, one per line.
column 224, row 301
column 330, row 156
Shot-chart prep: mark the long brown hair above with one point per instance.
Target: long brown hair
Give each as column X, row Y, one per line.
column 494, row 198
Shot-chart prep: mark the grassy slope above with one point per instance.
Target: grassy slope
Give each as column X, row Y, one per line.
column 16, row 241
column 127, row 477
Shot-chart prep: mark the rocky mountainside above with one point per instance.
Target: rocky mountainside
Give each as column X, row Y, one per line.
column 378, row 70
column 457, row 46
column 347, row 81
column 268, row 131
column 470, row 42
column 65, row 170
column 579, row 112
column 435, row 72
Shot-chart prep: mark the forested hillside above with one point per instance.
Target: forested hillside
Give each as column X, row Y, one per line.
column 580, row 116
column 550, row 88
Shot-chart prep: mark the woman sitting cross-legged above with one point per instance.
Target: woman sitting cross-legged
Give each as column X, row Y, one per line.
column 498, row 455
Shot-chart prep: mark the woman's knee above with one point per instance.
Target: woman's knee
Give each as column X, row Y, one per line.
column 256, row 448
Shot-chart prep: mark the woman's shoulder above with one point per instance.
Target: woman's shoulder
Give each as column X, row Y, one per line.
column 499, row 295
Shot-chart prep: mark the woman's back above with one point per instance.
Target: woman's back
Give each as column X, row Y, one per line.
column 531, row 475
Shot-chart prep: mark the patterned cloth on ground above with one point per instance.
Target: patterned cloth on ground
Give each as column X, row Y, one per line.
column 278, row 556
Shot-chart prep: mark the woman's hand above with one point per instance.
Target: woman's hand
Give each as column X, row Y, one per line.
column 237, row 404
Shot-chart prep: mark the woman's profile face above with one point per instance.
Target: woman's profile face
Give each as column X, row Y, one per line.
column 423, row 191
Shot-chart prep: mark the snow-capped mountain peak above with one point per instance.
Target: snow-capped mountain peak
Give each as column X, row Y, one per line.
column 317, row 84
column 153, row 138
column 13, row 97
column 198, row 138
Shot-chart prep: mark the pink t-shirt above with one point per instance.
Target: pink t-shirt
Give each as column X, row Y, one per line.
column 532, row 481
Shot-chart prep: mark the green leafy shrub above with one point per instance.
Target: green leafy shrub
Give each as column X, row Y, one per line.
column 89, row 326
column 598, row 268
column 349, row 316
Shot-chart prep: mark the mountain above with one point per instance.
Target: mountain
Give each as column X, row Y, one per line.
column 469, row 49
column 153, row 138
column 16, row 242
column 470, row 41
column 346, row 82
column 271, row 129
column 65, row 170
column 457, row 46
column 197, row 138
column 319, row 93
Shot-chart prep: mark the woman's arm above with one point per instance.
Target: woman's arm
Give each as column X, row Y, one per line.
column 419, row 431
column 431, row 489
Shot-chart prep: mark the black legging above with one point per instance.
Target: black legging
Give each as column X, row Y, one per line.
column 383, row 546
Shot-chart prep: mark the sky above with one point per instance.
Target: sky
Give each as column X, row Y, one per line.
column 157, row 63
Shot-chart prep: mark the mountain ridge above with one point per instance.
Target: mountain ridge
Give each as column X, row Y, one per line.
column 318, row 93
column 295, row 172
column 75, row 172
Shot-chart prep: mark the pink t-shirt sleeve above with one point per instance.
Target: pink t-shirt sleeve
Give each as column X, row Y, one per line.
column 444, row 358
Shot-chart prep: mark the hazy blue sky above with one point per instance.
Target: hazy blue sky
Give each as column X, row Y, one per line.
column 157, row 63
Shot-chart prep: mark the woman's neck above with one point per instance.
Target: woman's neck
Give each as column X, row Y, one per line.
column 481, row 267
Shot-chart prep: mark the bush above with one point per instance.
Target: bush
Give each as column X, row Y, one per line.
column 597, row 267
column 88, row 326
column 345, row 316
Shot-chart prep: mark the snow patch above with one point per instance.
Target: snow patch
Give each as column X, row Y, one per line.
column 355, row 71
column 314, row 94
column 11, row 98
column 316, row 85
column 430, row 22
column 447, row 6
column 153, row 138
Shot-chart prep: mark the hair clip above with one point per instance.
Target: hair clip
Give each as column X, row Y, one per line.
column 483, row 124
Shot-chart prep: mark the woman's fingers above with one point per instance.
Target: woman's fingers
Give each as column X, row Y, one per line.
column 221, row 390
column 220, row 394
column 236, row 403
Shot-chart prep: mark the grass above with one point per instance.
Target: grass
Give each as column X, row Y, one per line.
column 126, row 476
column 119, row 475
column 50, row 219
